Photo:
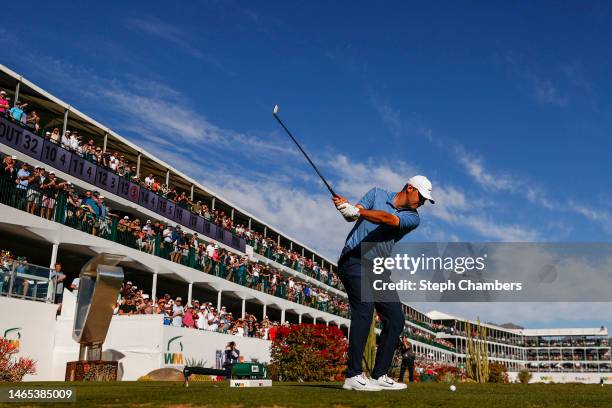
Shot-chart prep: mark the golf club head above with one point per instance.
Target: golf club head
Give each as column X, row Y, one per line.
column 275, row 111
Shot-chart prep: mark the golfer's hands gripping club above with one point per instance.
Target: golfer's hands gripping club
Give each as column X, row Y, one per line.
column 348, row 210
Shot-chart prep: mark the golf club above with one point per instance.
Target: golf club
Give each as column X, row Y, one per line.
column 275, row 114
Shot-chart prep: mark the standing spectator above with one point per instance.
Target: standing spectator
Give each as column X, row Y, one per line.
column 23, row 177
column 33, row 121
column 177, row 312
column 74, row 286
column 407, row 360
column 59, row 277
column 232, row 354
column 4, row 103
column 17, row 112
column 66, row 140
column 127, row 307
column 55, row 136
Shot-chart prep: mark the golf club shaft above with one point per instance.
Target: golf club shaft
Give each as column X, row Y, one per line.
column 306, row 155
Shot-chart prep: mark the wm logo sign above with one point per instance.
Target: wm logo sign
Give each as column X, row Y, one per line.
column 174, row 352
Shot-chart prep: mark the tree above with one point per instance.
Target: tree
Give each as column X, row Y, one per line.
column 11, row 368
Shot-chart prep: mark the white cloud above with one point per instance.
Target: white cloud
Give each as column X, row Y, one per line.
column 475, row 167
column 600, row 216
column 546, row 92
column 168, row 32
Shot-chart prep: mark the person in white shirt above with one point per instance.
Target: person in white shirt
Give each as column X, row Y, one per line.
column 202, row 322
column 149, row 180
column 74, row 286
column 177, row 312
column 168, row 234
column 210, row 251
column 74, row 142
column 66, row 140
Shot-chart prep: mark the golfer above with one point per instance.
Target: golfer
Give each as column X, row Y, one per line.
column 382, row 218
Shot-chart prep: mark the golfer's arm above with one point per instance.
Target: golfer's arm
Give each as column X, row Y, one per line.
column 379, row 217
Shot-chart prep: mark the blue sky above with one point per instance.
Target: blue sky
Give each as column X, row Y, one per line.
column 507, row 108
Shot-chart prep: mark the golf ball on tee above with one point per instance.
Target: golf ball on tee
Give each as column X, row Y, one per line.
column 453, row 388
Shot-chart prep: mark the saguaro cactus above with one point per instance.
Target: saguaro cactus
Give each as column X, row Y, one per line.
column 369, row 354
column 477, row 356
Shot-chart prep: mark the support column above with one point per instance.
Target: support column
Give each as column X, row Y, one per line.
column 105, row 142
column 189, row 293
column 168, row 178
column 212, row 206
column 327, row 323
column 265, row 232
column 232, row 215
column 219, row 300
column 17, row 92
column 243, row 309
column 191, row 193
column 283, row 316
column 314, row 320
column 138, row 165
column 278, row 240
column 154, row 288
column 52, row 282
column 65, row 125
column 300, row 318
column 54, row 255
column 264, row 311
column 250, row 220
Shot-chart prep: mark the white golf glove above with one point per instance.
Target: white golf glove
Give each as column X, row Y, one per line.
column 348, row 211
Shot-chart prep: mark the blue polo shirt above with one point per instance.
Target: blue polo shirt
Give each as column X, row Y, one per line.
column 385, row 236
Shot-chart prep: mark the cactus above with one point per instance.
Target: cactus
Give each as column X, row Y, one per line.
column 369, row 354
column 477, row 356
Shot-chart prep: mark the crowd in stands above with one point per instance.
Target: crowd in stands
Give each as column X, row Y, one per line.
column 41, row 192
column 85, row 147
column 427, row 338
column 197, row 315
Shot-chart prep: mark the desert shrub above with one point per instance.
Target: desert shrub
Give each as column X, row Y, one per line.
column 498, row 373
column 308, row 353
column 13, row 369
column 524, row 376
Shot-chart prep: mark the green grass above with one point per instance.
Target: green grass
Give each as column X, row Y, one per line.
column 157, row 394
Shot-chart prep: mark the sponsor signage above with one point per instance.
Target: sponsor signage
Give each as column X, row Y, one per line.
column 23, row 140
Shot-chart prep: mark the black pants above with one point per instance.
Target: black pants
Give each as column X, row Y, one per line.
column 405, row 365
column 390, row 313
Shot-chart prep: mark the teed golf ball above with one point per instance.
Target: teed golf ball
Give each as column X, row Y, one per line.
column 453, row 388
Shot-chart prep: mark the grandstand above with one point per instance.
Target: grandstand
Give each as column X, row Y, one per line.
column 89, row 190
column 584, row 350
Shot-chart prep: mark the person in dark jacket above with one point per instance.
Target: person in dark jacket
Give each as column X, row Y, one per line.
column 407, row 360
column 232, row 354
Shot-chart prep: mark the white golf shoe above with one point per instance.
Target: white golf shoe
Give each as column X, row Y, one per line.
column 387, row 383
column 361, row 383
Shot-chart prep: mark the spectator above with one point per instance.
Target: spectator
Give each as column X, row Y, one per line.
column 17, row 112
column 177, row 312
column 59, row 278
column 4, row 103
column 74, row 286
column 127, row 307
column 66, row 138
column 232, row 354
column 55, row 136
